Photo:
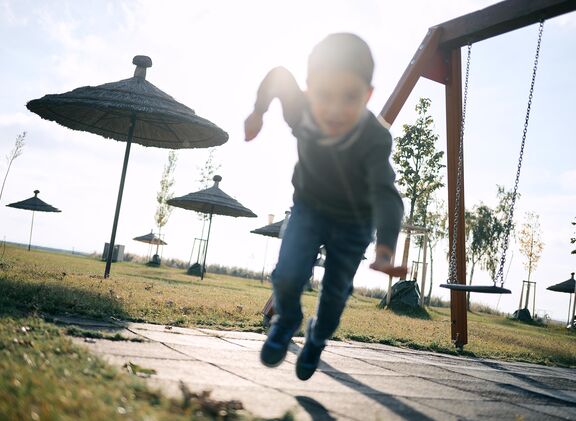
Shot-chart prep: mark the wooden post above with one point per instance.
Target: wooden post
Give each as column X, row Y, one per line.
column 390, row 277
column 458, row 314
column 424, row 265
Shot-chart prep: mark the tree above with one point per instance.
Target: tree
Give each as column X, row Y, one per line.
column 491, row 259
column 486, row 230
column 418, row 165
column 14, row 153
column 531, row 244
column 165, row 193
column 437, row 225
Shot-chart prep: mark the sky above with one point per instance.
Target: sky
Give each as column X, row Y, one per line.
column 211, row 57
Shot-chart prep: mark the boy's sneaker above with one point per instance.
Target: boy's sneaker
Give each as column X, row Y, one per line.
column 309, row 356
column 276, row 345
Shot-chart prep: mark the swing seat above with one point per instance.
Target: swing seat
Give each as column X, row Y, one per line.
column 485, row 289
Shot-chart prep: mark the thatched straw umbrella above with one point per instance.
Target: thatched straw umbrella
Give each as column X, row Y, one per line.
column 211, row 201
column 35, row 205
column 151, row 239
column 130, row 110
column 568, row 287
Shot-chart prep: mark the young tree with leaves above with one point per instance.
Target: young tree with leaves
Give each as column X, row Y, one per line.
column 418, row 164
column 486, row 230
column 531, row 244
column 491, row 259
column 436, row 222
column 165, row 193
column 14, row 153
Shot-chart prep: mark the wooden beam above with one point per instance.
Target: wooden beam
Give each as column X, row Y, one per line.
column 458, row 311
column 489, row 22
column 416, row 67
column 500, row 18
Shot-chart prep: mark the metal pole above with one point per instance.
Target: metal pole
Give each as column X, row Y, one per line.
column 31, row 226
column 264, row 262
column 120, row 192
column 573, row 310
column 206, row 249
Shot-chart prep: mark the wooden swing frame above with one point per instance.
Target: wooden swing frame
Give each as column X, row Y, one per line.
column 438, row 58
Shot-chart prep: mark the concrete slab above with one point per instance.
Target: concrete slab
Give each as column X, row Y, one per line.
column 355, row 381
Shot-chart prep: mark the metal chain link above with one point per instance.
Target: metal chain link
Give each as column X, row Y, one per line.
column 507, row 229
column 457, row 206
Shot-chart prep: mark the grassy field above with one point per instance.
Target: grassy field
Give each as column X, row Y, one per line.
column 44, row 376
column 45, row 283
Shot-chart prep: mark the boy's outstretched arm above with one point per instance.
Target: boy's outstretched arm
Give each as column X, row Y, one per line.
column 278, row 83
column 387, row 207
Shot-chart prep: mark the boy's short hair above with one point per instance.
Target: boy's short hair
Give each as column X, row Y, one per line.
column 343, row 51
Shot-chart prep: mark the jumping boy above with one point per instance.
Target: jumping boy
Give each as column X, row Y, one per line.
column 343, row 190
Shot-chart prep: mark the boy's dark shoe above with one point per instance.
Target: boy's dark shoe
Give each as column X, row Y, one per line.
column 276, row 345
column 309, row 356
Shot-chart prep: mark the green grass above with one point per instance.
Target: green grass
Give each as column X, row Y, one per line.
column 44, row 376
column 48, row 283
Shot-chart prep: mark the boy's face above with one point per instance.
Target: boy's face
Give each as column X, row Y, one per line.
column 337, row 100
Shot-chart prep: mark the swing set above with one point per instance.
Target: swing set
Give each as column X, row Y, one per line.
column 438, row 58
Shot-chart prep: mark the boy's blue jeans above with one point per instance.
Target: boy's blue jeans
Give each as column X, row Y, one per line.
column 345, row 245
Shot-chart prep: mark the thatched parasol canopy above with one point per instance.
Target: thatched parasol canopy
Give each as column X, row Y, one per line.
column 34, row 204
column 212, row 201
column 106, row 110
column 568, row 286
column 271, row 230
column 151, row 238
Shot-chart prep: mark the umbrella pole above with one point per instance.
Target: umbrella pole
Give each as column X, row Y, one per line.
column 206, row 248
column 120, row 191
column 571, row 321
column 31, row 226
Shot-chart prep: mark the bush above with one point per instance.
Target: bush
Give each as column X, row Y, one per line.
column 438, row 302
column 486, row 309
column 379, row 293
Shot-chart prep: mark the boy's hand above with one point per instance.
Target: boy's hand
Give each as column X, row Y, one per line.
column 386, row 267
column 383, row 264
column 252, row 126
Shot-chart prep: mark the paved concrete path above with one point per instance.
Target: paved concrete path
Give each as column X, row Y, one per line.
column 355, row 381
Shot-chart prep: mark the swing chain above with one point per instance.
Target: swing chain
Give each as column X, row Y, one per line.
column 508, row 227
column 457, row 205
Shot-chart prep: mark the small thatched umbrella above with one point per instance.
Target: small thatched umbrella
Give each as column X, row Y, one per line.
column 35, row 205
column 130, row 110
column 569, row 287
column 151, row 239
column 271, row 230
column 211, row 201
